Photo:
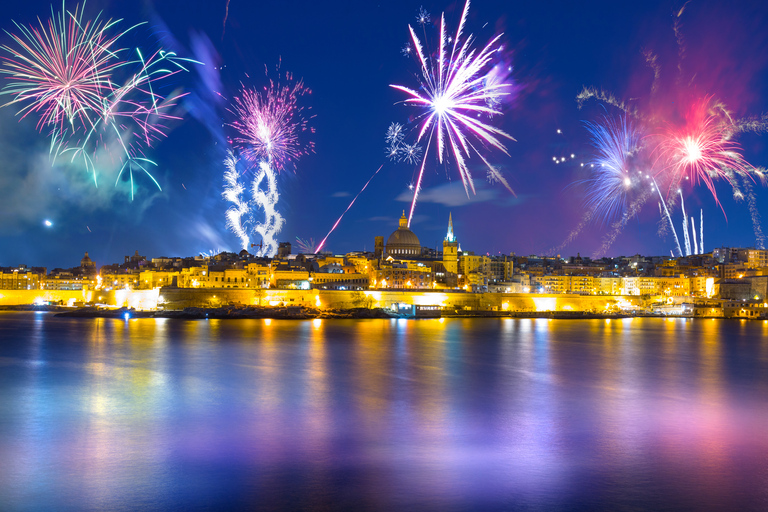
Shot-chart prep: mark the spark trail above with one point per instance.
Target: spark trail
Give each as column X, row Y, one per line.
column 322, row 243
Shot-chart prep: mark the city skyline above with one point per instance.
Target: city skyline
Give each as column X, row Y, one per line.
column 348, row 60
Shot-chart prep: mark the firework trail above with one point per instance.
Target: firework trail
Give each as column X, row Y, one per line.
column 68, row 71
column 270, row 125
column 322, row 243
column 233, row 191
column 755, row 214
column 652, row 60
column 266, row 199
column 693, row 233
column 455, row 91
column 701, row 231
column 588, row 93
column 396, row 150
column 224, row 23
column 685, row 225
column 669, row 218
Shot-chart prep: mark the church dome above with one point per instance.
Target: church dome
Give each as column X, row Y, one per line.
column 403, row 242
column 86, row 262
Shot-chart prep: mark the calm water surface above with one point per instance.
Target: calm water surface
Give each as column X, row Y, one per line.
column 155, row 414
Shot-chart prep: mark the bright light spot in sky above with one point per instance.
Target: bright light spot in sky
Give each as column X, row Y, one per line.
column 47, row 223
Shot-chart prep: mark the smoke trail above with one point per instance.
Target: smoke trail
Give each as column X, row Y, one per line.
column 588, row 93
column 754, row 213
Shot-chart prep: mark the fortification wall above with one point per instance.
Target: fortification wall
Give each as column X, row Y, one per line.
column 25, row 297
column 180, row 298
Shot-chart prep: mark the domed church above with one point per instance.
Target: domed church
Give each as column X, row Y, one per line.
column 403, row 242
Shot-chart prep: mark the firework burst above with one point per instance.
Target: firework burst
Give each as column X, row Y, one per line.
column 616, row 142
column 71, row 73
column 455, row 95
column 701, row 151
column 270, row 123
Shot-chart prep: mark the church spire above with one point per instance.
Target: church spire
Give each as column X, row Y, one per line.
column 450, row 237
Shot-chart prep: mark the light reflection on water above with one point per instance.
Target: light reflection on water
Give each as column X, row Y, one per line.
column 382, row 414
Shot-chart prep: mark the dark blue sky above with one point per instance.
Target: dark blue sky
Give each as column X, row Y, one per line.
column 348, row 54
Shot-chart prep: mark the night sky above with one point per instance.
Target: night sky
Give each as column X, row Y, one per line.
column 348, row 54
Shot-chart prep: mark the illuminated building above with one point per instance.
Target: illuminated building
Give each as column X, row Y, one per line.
column 21, row 278
column 403, row 275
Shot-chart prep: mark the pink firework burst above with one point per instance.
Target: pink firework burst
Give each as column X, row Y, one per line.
column 701, row 151
column 271, row 123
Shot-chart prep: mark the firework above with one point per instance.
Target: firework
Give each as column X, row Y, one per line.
column 397, row 149
column 71, row 73
column 613, row 178
column 233, row 192
column 423, row 17
column 701, row 151
column 270, row 124
column 454, row 95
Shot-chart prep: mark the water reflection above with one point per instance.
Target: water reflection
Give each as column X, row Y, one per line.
column 383, row 414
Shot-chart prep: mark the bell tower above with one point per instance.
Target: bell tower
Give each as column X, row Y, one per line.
column 450, row 249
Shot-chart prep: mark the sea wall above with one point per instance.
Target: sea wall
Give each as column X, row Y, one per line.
column 180, row 298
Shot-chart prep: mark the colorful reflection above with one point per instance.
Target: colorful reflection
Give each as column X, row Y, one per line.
column 382, row 414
